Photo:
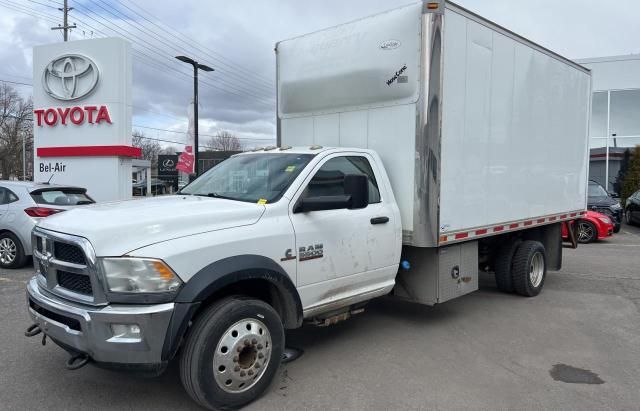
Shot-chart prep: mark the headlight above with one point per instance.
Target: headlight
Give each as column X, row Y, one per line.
column 616, row 206
column 139, row 275
column 605, row 220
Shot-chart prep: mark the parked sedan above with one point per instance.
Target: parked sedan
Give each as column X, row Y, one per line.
column 601, row 201
column 591, row 227
column 632, row 209
column 22, row 204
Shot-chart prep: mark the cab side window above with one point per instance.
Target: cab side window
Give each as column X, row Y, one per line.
column 329, row 179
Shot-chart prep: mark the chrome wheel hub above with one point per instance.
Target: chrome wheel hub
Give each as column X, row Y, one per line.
column 536, row 269
column 585, row 232
column 8, row 251
column 242, row 355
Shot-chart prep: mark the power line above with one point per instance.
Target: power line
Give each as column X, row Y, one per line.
column 130, row 105
column 163, row 66
column 205, row 135
column 16, row 82
column 194, row 44
column 162, row 53
column 31, row 12
column 170, row 41
column 42, row 4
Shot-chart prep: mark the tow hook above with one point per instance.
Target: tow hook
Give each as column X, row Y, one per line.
column 33, row 330
column 77, row 361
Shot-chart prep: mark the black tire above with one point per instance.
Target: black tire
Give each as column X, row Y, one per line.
column 627, row 217
column 18, row 260
column 502, row 269
column 523, row 264
column 587, row 232
column 203, row 339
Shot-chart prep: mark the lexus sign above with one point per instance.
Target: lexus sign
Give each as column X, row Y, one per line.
column 70, row 77
column 167, row 166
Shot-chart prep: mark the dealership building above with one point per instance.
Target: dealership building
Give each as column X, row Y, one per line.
column 615, row 114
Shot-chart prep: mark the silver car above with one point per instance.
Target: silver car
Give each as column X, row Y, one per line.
column 22, row 204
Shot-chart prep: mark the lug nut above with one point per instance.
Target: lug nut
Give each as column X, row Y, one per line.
column 239, row 349
column 250, row 372
column 257, row 365
column 246, row 342
column 259, row 346
column 254, row 341
column 242, row 373
column 235, row 359
column 237, row 368
column 260, row 355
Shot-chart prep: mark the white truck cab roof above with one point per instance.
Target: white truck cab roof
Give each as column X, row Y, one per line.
column 313, row 149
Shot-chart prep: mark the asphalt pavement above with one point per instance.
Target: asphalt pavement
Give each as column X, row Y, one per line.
column 575, row 346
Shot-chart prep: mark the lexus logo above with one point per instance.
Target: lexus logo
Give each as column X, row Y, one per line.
column 168, row 163
column 70, row 77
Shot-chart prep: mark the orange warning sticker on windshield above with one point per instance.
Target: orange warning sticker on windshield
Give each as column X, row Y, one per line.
column 262, row 201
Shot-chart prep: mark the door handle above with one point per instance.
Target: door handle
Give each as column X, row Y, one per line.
column 379, row 220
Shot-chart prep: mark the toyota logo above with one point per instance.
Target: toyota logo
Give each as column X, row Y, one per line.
column 70, row 77
column 168, row 163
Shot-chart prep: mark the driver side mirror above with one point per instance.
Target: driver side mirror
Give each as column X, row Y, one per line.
column 356, row 195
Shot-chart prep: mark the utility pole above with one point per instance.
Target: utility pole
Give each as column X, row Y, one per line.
column 65, row 26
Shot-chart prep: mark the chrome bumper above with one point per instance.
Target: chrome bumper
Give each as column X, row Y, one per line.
column 88, row 330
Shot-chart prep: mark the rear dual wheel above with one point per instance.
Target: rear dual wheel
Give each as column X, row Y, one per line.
column 521, row 267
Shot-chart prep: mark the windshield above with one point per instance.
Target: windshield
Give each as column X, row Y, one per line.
column 258, row 178
column 596, row 190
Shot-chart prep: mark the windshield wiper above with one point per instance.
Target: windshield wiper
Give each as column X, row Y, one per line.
column 216, row 195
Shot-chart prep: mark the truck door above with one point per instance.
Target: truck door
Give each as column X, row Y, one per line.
column 343, row 252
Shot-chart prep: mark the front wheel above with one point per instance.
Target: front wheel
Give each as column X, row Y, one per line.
column 11, row 251
column 587, row 232
column 232, row 353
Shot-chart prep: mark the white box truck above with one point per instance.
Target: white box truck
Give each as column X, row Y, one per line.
column 430, row 144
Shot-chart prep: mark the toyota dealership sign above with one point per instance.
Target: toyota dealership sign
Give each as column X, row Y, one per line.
column 82, row 116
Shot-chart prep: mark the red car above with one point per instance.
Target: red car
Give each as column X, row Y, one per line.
column 593, row 226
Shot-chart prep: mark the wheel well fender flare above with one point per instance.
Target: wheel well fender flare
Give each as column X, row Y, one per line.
column 222, row 273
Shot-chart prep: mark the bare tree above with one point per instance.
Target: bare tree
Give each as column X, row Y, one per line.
column 150, row 148
column 16, row 127
column 169, row 150
column 224, row 141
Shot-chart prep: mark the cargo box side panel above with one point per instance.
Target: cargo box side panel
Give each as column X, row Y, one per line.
column 357, row 85
column 514, row 130
column 371, row 62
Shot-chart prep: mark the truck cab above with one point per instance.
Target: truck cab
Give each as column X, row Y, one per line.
column 259, row 243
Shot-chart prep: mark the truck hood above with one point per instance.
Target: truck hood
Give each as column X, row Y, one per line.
column 120, row 227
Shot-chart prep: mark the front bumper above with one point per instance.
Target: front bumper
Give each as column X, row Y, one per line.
column 88, row 329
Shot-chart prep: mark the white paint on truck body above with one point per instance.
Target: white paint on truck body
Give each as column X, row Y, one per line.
column 511, row 140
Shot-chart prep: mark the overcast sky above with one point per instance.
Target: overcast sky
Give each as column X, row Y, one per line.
column 237, row 38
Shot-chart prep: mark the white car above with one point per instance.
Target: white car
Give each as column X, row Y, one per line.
column 22, row 205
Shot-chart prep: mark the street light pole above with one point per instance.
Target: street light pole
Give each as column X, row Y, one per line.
column 196, row 147
column 203, row 67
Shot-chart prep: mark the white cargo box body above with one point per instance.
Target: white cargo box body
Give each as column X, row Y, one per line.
column 480, row 130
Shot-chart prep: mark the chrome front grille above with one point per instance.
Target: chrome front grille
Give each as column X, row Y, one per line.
column 69, row 253
column 66, row 266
